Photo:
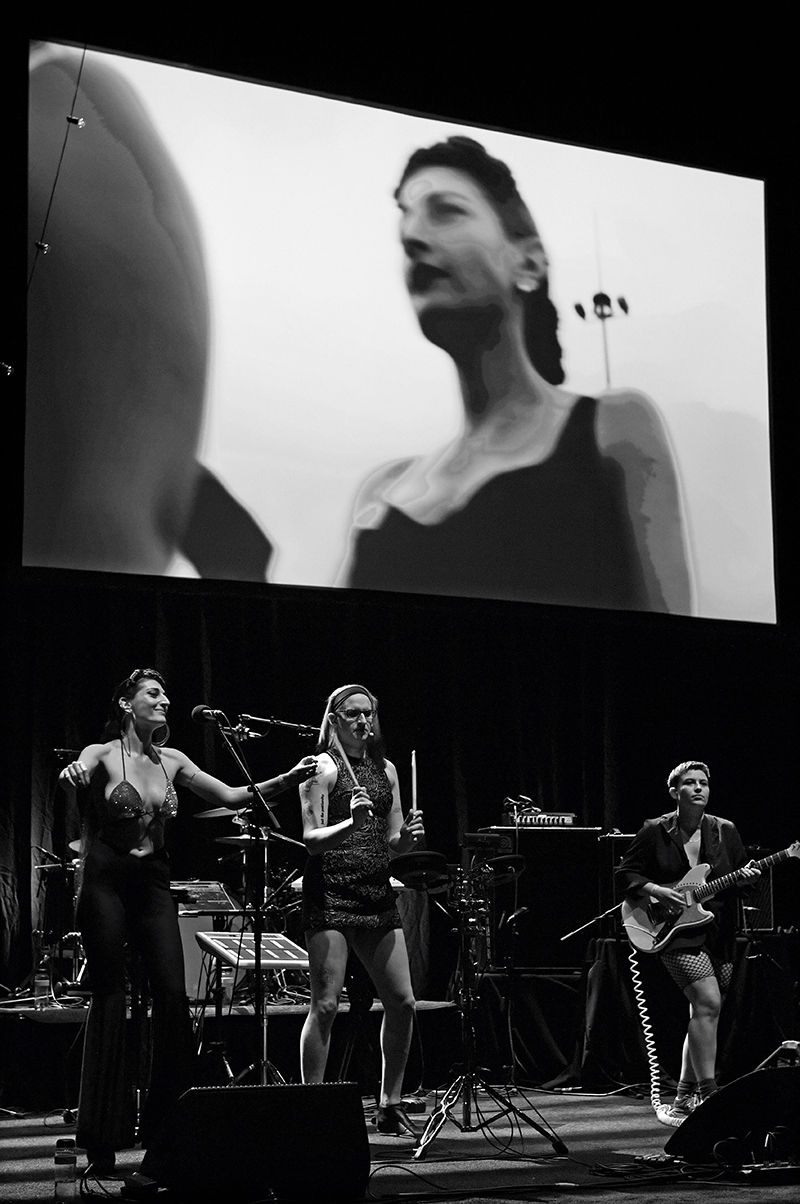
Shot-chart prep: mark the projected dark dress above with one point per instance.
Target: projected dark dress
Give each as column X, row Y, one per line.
column 349, row 886
column 555, row 532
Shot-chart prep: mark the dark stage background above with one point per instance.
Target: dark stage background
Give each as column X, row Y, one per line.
column 583, row 711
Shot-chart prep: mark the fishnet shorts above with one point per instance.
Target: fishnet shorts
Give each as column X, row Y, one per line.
column 686, row 966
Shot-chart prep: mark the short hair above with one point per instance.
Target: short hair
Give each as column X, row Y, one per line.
column 684, row 767
column 495, row 180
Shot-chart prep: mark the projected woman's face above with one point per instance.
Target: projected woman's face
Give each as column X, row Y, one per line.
column 458, row 255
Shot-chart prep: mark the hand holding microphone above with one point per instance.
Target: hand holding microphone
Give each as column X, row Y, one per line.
column 360, row 807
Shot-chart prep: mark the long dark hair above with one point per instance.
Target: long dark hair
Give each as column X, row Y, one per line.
column 495, row 180
column 115, row 724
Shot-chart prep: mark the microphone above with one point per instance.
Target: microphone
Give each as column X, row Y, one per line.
column 52, row 856
column 206, row 714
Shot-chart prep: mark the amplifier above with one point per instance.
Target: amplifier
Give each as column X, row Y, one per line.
column 557, row 893
column 542, row 819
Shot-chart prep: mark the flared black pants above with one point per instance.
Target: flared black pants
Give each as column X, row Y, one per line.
column 125, row 907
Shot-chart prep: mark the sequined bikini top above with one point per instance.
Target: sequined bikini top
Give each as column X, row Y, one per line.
column 125, row 802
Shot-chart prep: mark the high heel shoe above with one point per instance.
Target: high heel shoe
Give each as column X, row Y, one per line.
column 394, row 1120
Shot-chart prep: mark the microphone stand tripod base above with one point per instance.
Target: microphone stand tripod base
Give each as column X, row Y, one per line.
column 465, row 1089
column 469, row 899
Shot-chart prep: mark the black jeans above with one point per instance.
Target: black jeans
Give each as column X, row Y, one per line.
column 125, row 900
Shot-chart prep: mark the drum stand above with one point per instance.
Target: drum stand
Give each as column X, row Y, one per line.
column 472, row 918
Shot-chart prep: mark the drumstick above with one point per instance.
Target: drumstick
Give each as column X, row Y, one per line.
column 352, row 774
column 413, row 779
column 346, row 760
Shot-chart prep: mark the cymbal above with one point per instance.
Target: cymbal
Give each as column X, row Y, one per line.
column 241, row 841
column 505, row 868
column 215, row 813
column 423, row 870
column 76, row 846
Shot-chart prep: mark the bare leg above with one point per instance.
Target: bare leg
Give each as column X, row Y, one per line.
column 700, row 1045
column 327, row 957
column 385, row 957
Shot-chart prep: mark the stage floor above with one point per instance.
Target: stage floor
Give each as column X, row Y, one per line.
column 615, row 1146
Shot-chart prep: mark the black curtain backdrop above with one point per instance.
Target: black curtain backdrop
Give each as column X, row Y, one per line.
column 583, row 711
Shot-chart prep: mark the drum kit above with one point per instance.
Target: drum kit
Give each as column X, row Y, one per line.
column 58, row 950
column 281, row 905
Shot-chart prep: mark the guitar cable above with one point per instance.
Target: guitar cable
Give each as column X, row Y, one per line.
column 647, row 1030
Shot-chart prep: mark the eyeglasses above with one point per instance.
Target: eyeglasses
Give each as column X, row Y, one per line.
column 351, row 714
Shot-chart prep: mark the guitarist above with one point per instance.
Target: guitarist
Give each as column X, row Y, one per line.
column 701, row 963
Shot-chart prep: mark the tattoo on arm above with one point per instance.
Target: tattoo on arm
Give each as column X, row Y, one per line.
column 315, row 804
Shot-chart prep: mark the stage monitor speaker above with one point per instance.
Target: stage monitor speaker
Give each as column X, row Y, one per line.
column 300, row 1142
column 754, row 1119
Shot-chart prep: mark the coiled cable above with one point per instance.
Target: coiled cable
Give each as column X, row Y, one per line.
column 647, row 1030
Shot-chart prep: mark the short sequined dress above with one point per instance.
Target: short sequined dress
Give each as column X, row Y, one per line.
column 348, row 887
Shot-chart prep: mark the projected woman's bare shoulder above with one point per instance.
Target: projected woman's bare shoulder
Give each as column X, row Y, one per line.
column 631, row 434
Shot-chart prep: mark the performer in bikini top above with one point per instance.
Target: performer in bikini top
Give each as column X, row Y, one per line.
column 662, row 852
column 352, row 818
column 125, row 898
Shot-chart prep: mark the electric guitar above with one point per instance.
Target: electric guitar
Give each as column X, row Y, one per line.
column 650, row 925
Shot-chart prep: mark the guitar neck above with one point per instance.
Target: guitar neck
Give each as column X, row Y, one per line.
column 707, row 889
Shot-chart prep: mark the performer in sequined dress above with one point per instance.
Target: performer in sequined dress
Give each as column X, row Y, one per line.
column 352, row 820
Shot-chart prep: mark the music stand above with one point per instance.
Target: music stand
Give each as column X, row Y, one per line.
column 273, row 951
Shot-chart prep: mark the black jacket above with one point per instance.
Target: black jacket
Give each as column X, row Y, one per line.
column 656, row 854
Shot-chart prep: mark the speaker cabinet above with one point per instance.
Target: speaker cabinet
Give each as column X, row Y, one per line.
column 756, row 1116
column 557, row 894
column 302, row 1143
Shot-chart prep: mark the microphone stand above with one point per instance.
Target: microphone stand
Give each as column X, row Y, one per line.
column 256, row 880
column 302, row 729
column 594, row 920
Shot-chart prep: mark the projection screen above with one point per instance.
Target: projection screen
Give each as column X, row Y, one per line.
column 223, row 350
